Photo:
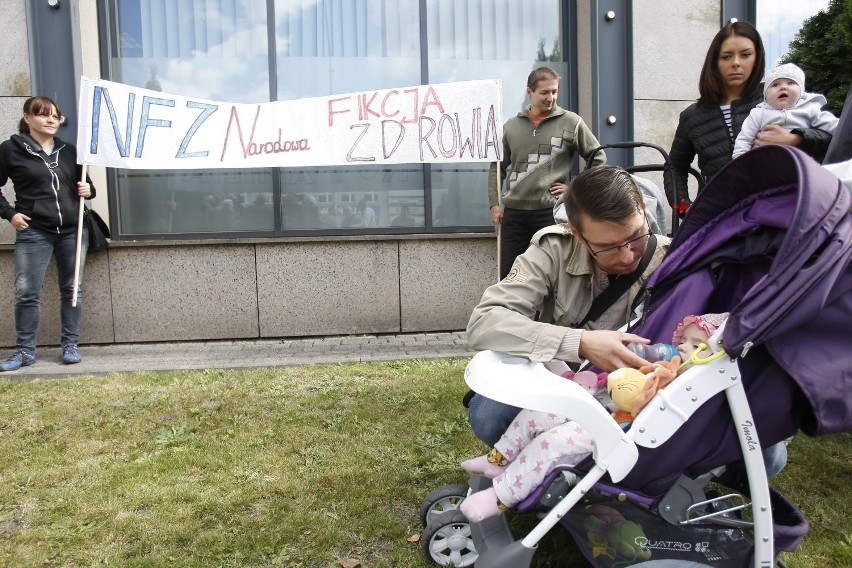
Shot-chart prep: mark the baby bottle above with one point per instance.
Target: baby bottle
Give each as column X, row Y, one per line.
column 655, row 352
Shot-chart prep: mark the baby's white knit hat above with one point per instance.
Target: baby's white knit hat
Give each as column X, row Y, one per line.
column 785, row 71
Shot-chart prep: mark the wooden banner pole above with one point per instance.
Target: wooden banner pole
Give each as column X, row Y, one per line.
column 80, row 222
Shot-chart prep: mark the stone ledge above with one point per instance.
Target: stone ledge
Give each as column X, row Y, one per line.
column 489, row 234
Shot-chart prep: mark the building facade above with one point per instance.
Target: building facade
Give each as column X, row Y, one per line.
column 263, row 253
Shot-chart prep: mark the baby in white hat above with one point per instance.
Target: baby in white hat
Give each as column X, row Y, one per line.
column 787, row 105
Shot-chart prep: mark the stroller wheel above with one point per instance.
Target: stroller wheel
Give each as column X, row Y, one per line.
column 444, row 498
column 447, row 540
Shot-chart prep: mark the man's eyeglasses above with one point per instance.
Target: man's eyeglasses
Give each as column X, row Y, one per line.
column 639, row 243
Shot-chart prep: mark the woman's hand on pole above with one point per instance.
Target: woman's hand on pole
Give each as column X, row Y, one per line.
column 83, row 190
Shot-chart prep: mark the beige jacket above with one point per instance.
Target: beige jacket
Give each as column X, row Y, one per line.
column 555, row 277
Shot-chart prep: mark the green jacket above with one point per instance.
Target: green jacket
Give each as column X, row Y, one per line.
column 555, row 277
column 535, row 158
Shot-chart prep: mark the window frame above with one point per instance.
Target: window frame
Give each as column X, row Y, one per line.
column 107, row 26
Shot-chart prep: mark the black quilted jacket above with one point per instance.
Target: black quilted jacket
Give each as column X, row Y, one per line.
column 702, row 131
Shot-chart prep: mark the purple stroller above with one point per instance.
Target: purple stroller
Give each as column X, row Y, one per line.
column 769, row 240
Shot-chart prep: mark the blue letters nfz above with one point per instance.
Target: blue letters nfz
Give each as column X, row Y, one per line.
column 145, row 121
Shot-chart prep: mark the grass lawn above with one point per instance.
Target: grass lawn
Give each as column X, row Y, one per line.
column 314, row 466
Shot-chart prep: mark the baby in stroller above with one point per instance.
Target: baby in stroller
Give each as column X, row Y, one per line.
column 538, row 441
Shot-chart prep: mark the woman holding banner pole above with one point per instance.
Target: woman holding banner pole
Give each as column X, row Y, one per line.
column 539, row 144
column 43, row 170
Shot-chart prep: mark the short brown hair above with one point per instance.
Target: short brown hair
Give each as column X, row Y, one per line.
column 604, row 193
column 541, row 74
column 37, row 106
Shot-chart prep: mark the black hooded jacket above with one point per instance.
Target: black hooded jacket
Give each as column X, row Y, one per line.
column 23, row 161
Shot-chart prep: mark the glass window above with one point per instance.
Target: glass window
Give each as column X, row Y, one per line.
column 195, row 201
column 351, row 197
column 221, row 51
column 348, row 47
column 215, row 50
column 474, row 39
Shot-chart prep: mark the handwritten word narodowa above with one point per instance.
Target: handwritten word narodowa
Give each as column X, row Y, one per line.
column 255, row 149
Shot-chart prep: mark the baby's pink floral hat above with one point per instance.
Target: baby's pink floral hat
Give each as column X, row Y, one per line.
column 708, row 323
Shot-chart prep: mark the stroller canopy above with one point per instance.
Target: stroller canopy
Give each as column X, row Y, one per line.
column 768, row 239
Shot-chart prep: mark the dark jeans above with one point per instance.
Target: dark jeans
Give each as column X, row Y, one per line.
column 516, row 231
column 489, row 419
column 33, row 249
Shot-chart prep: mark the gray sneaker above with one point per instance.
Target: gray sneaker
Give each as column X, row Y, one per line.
column 19, row 358
column 70, row 355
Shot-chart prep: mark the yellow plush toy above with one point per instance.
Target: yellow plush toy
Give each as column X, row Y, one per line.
column 631, row 389
column 624, row 385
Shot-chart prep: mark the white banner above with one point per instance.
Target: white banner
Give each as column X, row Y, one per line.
column 130, row 127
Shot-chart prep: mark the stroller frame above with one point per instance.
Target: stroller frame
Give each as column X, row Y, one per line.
column 497, row 375
column 667, row 169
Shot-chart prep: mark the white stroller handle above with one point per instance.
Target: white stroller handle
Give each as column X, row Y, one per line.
column 517, row 381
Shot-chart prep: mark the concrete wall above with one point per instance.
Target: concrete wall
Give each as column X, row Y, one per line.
column 14, row 57
column 189, row 291
column 171, row 291
column 670, row 41
column 14, row 81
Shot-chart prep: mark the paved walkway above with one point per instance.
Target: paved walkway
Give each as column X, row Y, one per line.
column 103, row 359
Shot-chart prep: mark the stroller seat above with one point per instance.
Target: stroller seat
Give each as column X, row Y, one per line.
column 498, row 375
